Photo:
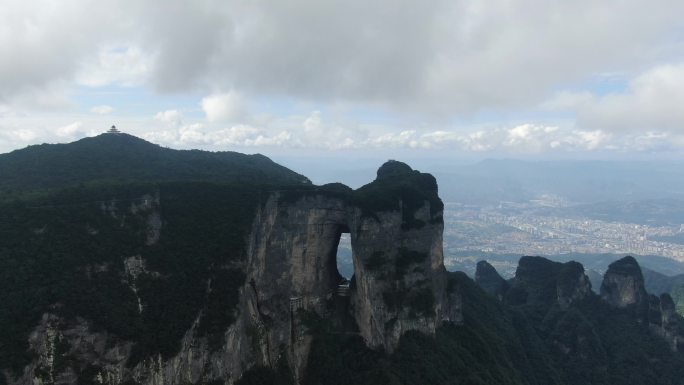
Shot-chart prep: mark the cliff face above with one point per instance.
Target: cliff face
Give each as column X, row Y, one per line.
column 544, row 282
column 669, row 326
column 400, row 279
column 623, row 284
column 573, row 285
column 623, row 287
column 290, row 272
column 398, row 284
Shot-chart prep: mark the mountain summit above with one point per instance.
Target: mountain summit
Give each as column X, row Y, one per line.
column 108, row 158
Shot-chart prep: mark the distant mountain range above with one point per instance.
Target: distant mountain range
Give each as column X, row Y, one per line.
column 492, row 181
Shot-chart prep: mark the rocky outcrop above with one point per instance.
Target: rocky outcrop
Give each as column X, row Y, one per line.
column 399, row 281
column 664, row 321
column 541, row 281
column 623, row 287
column 399, row 277
column 670, row 323
column 573, row 285
column 623, row 284
column 489, row 280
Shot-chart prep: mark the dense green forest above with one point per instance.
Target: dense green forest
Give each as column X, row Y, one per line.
column 116, row 158
column 65, row 254
column 514, row 341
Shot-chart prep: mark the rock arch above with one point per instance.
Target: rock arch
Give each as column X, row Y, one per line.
column 399, row 276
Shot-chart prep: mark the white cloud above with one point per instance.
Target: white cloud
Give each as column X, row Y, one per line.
column 406, row 138
column 120, row 65
column 523, row 138
column 69, row 129
column 592, row 139
column 646, row 115
column 42, row 42
column 446, row 56
column 312, row 124
column 317, row 132
column 192, row 134
column 169, row 117
column 23, row 135
column 102, row 110
column 566, row 100
column 409, row 67
column 652, row 102
column 224, row 107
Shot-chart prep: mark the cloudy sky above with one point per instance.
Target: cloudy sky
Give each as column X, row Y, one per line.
column 497, row 78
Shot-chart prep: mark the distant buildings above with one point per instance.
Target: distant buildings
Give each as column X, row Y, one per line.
column 113, row 130
column 527, row 231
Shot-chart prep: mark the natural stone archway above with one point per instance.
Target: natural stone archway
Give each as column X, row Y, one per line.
column 399, row 281
column 344, row 260
column 291, row 267
column 334, row 259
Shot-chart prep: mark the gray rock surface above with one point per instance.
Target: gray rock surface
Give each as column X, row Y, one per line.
column 623, row 284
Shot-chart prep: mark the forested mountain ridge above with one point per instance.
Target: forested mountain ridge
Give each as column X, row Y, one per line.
column 621, row 336
column 118, row 158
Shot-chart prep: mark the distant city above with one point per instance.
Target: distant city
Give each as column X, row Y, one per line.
column 494, row 229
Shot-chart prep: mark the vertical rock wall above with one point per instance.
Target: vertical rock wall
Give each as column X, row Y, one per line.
column 399, row 277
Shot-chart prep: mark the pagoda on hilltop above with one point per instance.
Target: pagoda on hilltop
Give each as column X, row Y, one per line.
column 113, row 130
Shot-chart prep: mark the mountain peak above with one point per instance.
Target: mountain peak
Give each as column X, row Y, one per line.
column 122, row 157
column 623, row 283
column 489, row 280
column 393, row 168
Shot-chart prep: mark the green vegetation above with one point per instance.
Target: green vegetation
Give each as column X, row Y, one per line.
column 488, row 349
column 498, row 343
column 591, row 342
column 677, row 294
column 405, row 258
column 68, row 249
column 421, row 303
column 418, row 300
column 122, row 158
column 398, row 187
column 221, row 306
column 71, row 214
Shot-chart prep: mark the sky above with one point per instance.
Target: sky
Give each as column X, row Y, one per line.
column 456, row 79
